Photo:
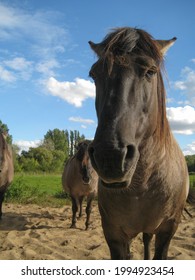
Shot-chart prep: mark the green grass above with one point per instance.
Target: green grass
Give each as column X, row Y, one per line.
column 192, row 181
column 41, row 189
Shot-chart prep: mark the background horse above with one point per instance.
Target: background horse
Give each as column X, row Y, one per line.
column 6, row 168
column 144, row 180
column 79, row 179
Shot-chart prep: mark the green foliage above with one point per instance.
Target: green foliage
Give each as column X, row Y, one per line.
column 41, row 189
column 51, row 155
column 192, row 180
column 190, row 163
column 5, row 130
column 20, row 192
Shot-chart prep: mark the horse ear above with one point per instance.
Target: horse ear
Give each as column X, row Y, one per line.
column 97, row 48
column 165, row 44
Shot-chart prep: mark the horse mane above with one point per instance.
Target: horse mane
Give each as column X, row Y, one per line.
column 123, row 42
column 82, row 148
column 126, row 40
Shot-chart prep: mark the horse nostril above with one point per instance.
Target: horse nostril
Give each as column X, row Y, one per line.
column 130, row 151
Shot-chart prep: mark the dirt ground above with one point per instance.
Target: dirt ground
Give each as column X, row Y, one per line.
column 30, row 232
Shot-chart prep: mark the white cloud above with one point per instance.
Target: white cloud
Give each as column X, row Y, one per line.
column 45, row 37
column 46, row 67
column 6, row 75
column 19, row 67
column 74, row 93
column 190, row 149
column 187, row 84
column 81, row 120
column 24, row 145
column 84, row 126
column 182, row 119
column 18, row 63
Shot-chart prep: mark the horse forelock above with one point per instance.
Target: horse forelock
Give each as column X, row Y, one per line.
column 82, row 149
column 122, row 42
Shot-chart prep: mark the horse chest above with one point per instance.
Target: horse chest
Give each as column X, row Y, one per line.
column 134, row 214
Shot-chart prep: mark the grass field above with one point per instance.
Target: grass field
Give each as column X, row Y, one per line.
column 192, row 181
column 43, row 189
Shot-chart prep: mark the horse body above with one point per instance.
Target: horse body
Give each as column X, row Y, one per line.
column 150, row 204
column 6, row 168
column 144, row 181
column 79, row 179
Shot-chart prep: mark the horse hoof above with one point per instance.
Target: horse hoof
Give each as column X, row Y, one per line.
column 73, row 226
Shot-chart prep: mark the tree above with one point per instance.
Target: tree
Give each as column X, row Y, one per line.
column 75, row 138
column 15, row 150
column 57, row 140
column 5, row 130
column 190, row 163
column 51, row 154
column 57, row 163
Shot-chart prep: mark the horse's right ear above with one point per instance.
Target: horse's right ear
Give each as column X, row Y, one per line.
column 165, row 44
column 97, row 48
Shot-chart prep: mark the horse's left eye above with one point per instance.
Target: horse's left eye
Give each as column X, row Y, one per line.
column 150, row 73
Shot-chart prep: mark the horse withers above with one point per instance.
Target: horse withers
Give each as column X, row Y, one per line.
column 144, row 180
column 6, row 168
column 79, row 179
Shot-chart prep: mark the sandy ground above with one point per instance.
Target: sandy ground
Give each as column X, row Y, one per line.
column 29, row 232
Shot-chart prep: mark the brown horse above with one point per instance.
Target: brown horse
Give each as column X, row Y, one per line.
column 6, row 168
column 144, row 181
column 79, row 179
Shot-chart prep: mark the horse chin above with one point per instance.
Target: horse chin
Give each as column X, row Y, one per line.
column 115, row 185
column 123, row 182
column 86, row 182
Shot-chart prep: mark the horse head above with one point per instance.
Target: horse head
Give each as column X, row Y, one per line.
column 129, row 105
column 85, row 164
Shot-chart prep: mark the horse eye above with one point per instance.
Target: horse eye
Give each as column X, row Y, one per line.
column 150, row 73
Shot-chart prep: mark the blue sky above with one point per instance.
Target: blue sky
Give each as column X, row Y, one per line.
column 45, row 60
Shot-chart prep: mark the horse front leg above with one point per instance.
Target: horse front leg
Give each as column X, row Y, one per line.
column 75, row 206
column 80, row 205
column 117, row 241
column 119, row 249
column 162, row 242
column 88, row 209
column 147, row 237
column 2, row 195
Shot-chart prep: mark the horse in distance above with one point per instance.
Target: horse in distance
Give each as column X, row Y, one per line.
column 6, row 167
column 143, row 176
column 79, row 179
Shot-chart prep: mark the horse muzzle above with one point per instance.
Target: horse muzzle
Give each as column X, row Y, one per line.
column 115, row 166
column 86, row 180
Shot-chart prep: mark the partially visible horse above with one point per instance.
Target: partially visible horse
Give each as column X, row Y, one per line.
column 6, row 167
column 79, row 179
column 144, row 180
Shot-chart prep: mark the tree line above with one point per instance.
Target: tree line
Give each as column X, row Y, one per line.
column 50, row 156
column 54, row 150
column 191, row 163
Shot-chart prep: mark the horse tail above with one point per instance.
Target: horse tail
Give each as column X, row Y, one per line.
column 191, row 196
